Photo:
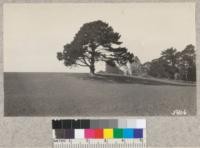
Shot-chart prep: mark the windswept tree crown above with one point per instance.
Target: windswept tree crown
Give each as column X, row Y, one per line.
column 95, row 41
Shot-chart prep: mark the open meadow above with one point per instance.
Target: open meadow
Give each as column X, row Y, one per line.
column 71, row 94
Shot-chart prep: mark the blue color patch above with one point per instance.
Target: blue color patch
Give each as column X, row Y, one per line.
column 128, row 133
column 138, row 133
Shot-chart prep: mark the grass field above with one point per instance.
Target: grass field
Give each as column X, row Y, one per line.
column 68, row 94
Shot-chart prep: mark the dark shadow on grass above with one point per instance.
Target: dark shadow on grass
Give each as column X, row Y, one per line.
column 130, row 80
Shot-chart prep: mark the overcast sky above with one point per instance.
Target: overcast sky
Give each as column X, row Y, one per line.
column 33, row 33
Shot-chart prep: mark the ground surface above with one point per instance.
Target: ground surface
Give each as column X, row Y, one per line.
column 62, row 94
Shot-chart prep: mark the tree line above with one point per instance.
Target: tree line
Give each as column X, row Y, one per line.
column 173, row 64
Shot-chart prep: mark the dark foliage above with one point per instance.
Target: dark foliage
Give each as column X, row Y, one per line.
column 175, row 65
column 95, row 41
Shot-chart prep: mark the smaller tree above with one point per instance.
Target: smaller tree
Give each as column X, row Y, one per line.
column 170, row 56
column 160, row 68
column 174, row 63
column 187, row 63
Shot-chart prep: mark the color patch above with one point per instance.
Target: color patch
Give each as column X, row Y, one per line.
column 56, row 124
column 98, row 133
column 113, row 124
column 76, row 124
column 89, row 133
column 108, row 133
column 94, row 123
column 131, row 123
column 66, row 124
column 69, row 133
column 138, row 133
column 60, row 133
column 128, row 133
column 122, row 123
column 118, row 133
column 79, row 134
column 140, row 123
column 85, row 124
column 103, row 124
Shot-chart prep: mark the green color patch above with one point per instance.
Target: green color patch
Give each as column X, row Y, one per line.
column 118, row 133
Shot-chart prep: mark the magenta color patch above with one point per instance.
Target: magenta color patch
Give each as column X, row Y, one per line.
column 89, row 133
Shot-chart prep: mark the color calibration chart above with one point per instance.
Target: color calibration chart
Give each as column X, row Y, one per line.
column 102, row 133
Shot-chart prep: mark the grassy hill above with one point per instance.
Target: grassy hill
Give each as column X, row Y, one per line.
column 77, row 94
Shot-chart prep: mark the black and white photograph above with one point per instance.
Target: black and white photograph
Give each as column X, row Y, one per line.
column 99, row 59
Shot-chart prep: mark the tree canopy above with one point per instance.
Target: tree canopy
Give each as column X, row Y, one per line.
column 173, row 62
column 95, row 41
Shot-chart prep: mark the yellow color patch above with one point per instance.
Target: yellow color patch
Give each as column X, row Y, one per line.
column 108, row 133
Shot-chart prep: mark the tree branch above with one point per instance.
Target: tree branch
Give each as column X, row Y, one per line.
column 81, row 65
column 82, row 59
column 86, row 61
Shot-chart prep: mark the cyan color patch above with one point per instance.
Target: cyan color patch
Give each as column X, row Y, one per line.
column 128, row 133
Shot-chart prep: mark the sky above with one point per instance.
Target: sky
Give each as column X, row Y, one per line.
column 34, row 33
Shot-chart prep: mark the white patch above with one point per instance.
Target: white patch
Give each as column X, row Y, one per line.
column 79, row 134
column 127, row 69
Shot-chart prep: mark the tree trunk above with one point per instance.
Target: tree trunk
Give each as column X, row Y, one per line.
column 92, row 70
column 92, row 67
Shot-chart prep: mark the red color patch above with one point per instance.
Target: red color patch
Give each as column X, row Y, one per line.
column 99, row 133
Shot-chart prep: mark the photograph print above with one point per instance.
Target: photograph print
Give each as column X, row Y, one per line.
column 99, row 59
